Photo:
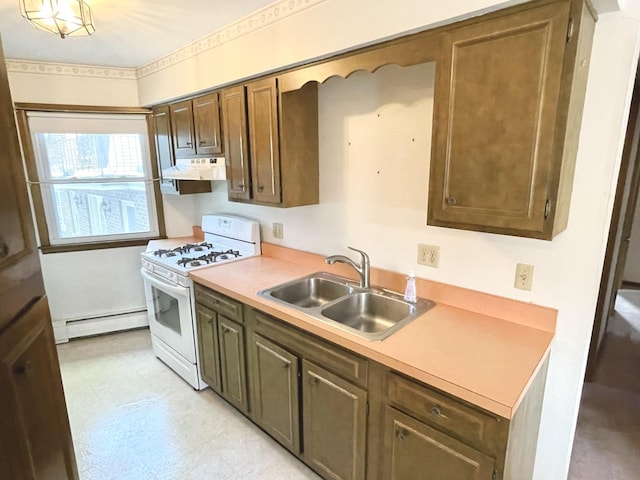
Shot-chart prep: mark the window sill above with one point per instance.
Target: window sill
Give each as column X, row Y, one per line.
column 78, row 247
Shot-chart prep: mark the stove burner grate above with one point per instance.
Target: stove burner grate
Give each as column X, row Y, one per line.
column 212, row 257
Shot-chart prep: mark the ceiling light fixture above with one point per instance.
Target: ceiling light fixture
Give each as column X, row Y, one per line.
column 60, row 17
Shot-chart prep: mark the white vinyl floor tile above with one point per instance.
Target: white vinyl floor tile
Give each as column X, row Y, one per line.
column 133, row 418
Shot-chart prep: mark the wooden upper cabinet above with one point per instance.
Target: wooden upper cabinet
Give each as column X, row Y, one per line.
column 195, row 126
column 502, row 153
column 182, row 128
column 271, row 142
column 264, row 144
column 161, row 126
column 206, row 119
column 234, row 114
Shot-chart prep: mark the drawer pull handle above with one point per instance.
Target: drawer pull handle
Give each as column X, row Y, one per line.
column 188, row 144
column 436, row 411
column 402, row 434
column 202, row 142
column 24, row 369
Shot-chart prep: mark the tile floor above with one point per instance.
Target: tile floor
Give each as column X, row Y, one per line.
column 132, row 418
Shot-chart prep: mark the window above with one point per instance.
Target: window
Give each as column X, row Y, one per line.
column 94, row 177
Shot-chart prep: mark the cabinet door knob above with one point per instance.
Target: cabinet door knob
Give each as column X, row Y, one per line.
column 4, row 250
column 241, row 186
column 285, row 365
column 260, row 189
column 188, row 144
column 401, row 433
column 202, row 142
column 451, row 200
column 314, row 380
column 436, row 411
column 24, row 369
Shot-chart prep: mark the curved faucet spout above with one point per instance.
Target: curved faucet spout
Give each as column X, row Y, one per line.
column 362, row 269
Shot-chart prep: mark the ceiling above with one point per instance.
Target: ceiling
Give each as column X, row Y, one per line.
column 129, row 33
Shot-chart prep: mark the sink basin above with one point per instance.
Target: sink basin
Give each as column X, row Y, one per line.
column 369, row 313
column 311, row 291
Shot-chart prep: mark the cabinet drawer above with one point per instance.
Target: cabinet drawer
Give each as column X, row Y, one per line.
column 465, row 423
column 223, row 305
column 333, row 358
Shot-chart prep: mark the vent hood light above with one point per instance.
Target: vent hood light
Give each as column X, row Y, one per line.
column 196, row 169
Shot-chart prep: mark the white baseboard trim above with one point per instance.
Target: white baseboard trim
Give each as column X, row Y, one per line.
column 63, row 330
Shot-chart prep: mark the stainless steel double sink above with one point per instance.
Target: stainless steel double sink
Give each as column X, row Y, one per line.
column 368, row 312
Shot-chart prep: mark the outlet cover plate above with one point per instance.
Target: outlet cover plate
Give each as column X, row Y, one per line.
column 278, row 230
column 428, row 255
column 524, row 276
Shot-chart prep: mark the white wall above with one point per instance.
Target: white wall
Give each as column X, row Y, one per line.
column 373, row 192
column 89, row 283
column 35, row 82
column 327, row 27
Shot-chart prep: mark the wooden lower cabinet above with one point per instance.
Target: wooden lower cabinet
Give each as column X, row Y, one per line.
column 232, row 363
column 208, row 346
column 275, row 392
column 350, row 418
column 35, row 438
column 414, row 451
column 335, row 424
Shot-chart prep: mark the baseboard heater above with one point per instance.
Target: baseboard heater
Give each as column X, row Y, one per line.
column 64, row 330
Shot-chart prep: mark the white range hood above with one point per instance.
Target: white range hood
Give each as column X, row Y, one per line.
column 196, row 169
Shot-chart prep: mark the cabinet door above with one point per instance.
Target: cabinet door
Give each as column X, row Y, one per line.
column 208, row 353
column 334, row 424
column 274, row 373
column 164, row 146
column 232, row 363
column 497, row 96
column 182, row 128
column 264, row 143
column 20, row 278
column 414, row 451
column 35, row 438
column 206, row 117
column 234, row 115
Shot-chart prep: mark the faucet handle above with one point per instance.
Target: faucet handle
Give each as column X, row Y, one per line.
column 365, row 257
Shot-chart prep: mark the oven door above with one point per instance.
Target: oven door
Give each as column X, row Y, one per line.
column 169, row 310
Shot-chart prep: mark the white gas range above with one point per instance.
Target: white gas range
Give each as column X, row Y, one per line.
column 169, row 290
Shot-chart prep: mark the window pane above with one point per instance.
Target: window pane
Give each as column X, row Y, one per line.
column 96, row 209
column 91, row 155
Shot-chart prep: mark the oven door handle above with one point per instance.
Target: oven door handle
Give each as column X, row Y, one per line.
column 165, row 285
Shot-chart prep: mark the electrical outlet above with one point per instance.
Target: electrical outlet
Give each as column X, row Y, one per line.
column 428, row 255
column 278, row 230
column 524, row 276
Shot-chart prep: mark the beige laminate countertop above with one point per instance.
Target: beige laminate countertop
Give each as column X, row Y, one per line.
column 478, row 357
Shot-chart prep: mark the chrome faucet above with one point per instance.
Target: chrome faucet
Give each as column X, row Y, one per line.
column 362, row 269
